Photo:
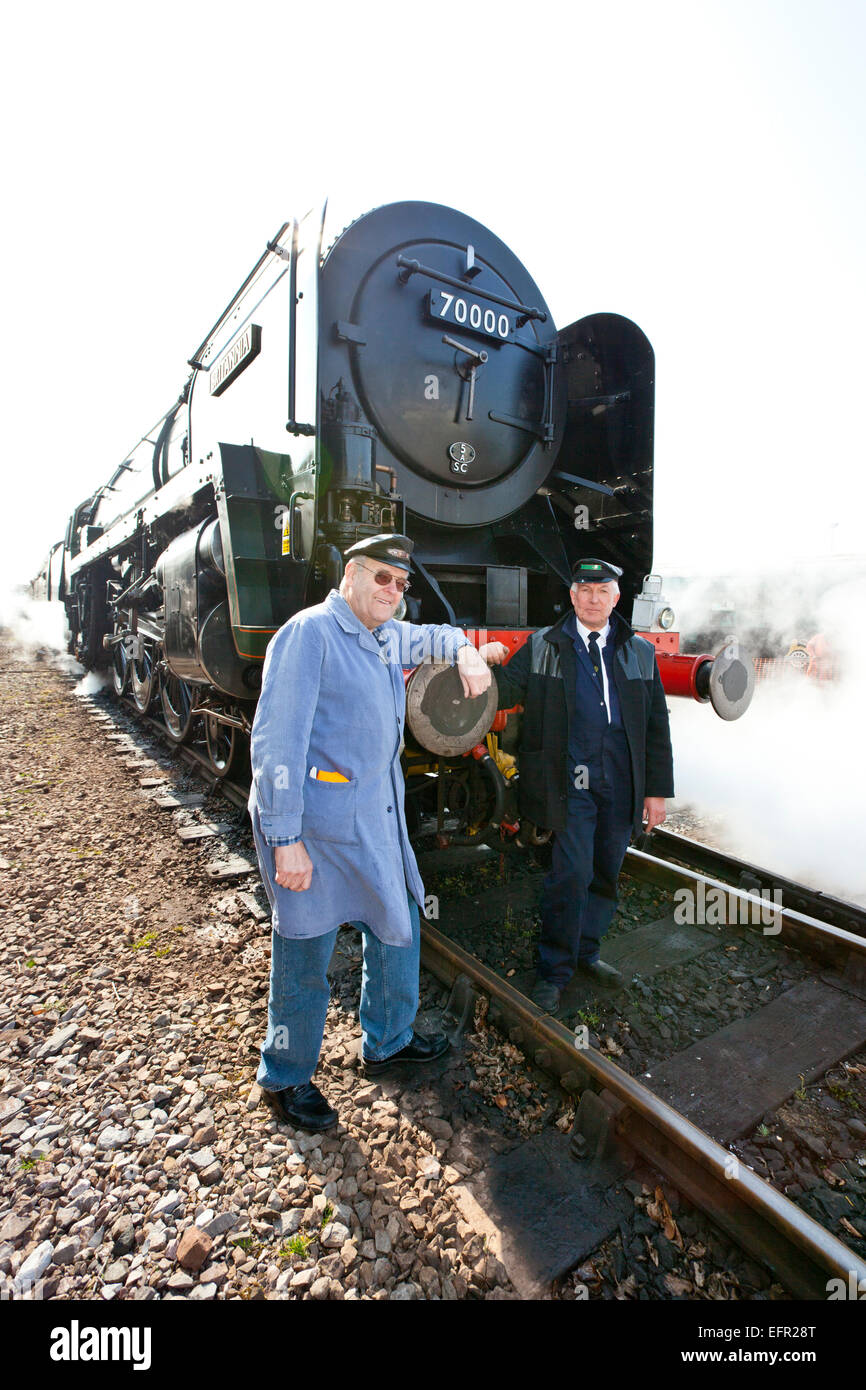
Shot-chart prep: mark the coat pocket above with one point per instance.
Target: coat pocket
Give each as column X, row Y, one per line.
column 540, row 796
column 330, row 812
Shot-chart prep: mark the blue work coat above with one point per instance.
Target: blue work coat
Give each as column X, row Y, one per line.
column 333, row 700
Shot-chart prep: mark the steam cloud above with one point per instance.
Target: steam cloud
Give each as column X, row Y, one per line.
column 787, row 778
column 38, row 628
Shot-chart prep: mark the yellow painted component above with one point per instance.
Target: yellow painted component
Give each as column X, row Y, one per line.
column 506, row 762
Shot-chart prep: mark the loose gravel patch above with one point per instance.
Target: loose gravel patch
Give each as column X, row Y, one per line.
column 136, row 1160
column 813, row 1148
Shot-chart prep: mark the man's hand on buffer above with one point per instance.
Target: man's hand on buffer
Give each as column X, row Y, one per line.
column 474, row 672
column 494, row 653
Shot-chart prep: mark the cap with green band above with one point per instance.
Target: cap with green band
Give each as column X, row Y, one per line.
column 590, row 571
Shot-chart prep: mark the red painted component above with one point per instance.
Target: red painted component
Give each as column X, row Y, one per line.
column 678, row 670
column 512, row 638
column 668, row 642
column 500, row 719
column 679, row 674
column 478, row 752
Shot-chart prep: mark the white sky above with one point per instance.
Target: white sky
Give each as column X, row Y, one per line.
column 697, row 167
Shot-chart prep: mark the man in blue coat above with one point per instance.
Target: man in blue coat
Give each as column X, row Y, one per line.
column 595, row 766
column 327, row 810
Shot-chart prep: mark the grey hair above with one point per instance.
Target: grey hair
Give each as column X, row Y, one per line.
column 350, row 561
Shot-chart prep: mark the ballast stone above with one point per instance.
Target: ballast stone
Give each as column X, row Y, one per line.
column 66, row 1251
column 58, row 1040
column 334, row 1235
column 14, row 1228
column 112, row 1137
column 193, row 1248
column 222, row 1222
column 34, row 1266
column 168, row 1204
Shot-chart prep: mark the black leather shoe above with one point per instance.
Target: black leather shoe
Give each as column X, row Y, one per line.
column 546, row 995
column 600, row 974
column 304, row 1107
column 419, row 1049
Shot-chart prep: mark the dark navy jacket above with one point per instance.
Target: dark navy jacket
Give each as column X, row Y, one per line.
column 536, row 678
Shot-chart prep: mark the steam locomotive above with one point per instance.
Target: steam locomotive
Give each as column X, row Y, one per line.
column 408, row 378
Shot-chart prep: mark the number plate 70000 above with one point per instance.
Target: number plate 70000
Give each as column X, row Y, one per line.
column 465, row 312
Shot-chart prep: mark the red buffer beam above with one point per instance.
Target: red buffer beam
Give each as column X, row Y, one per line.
column 726, row 680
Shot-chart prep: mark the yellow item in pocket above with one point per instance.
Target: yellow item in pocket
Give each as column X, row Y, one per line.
column 320, row 776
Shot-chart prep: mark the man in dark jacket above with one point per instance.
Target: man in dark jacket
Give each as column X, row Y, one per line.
column 595, row 765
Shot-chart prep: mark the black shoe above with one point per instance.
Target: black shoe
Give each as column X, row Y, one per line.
column 600, row 974
column 546, row 995
column 304, row 1107
column 419, row 1049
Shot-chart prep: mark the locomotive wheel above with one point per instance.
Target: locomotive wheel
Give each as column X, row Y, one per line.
column 476, row 797
column 120, row 665
column 223, row 743
column 178, row 707
column 120, row 661
column 143, row 678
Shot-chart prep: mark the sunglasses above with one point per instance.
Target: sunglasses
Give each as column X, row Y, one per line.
column 383, row 578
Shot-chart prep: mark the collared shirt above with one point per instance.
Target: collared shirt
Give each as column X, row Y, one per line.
column 584, row 632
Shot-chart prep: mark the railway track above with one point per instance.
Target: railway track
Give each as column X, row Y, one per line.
column 692, row 854
column 618, row 1116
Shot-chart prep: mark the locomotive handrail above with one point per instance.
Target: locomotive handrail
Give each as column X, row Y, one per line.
column 577, row 481
column 270, row 248
column 409, row 268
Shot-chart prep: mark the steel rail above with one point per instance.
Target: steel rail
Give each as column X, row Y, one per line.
column 800, row 1252
column 837, row 912
column 842, row 949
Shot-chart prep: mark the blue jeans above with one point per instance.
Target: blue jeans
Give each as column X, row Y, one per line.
column 298, row 1002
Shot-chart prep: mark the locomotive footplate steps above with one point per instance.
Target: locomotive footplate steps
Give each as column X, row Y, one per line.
column 726, row 1082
